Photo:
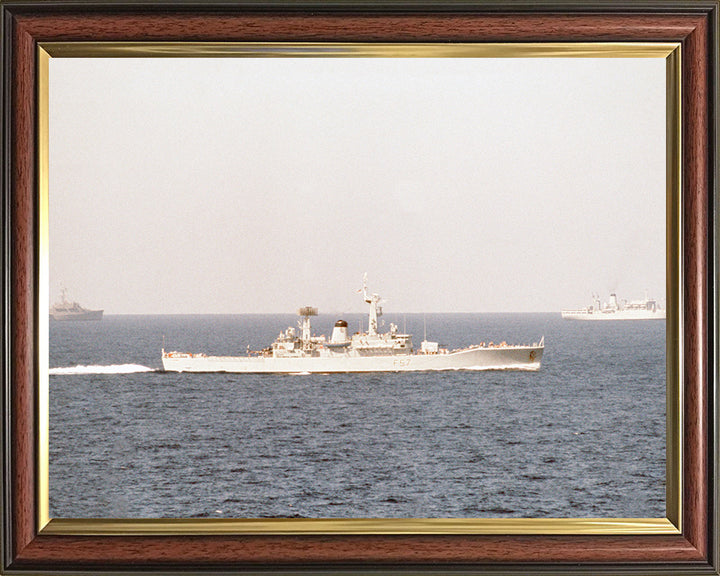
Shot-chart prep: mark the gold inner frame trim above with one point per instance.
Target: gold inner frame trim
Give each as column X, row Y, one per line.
column 585, row 526
column 357, row 50
column 43, row 291
column 293, row 526
column 674, row 315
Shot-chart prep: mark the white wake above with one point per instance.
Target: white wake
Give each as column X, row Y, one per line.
column 112, row 369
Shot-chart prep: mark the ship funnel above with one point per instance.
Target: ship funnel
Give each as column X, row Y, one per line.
column 614, row 301
column 339, row 333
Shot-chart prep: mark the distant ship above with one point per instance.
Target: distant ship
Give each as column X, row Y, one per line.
column 362, row 352
column 66, row 311
column 645, row 309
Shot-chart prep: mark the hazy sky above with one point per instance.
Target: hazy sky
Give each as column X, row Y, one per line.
column 238, row 185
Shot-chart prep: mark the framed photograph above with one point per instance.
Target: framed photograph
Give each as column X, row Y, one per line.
column 484, row 232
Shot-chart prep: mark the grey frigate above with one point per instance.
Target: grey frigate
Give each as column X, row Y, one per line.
column 370, row 351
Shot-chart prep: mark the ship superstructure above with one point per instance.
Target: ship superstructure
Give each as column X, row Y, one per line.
column 369, row 351
column 66, row 311
column 614, row 309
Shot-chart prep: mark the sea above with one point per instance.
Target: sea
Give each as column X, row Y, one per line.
column 582, row 437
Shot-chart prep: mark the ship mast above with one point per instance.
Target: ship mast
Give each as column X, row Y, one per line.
column 375, row 309
column 306, row 312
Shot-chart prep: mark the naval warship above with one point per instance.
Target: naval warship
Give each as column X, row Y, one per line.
column 369, row 351
column 67, row 311
column 645, row 309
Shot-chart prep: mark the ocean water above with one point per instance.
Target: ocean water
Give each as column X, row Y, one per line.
column 582, row 437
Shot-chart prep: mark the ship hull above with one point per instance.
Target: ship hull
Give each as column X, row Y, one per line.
column 87, row 315
column 477, row 358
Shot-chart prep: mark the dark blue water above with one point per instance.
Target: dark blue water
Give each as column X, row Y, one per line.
column 583, row 437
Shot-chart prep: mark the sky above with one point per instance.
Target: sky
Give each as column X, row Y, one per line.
column 257, row 185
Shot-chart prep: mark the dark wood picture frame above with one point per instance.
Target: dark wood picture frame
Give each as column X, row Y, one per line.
column 694, row 24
